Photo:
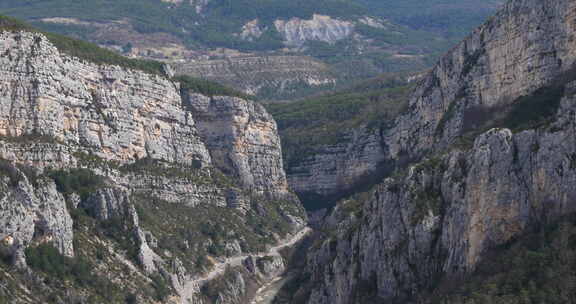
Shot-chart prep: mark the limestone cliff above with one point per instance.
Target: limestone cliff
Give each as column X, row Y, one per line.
column 525, row 46
column 122, row 176
column 335, row 169
column 242, row 137
column 490, row 131
column 114, row 113
column 33, row 214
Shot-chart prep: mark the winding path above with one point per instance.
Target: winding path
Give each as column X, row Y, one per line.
column 193, row 285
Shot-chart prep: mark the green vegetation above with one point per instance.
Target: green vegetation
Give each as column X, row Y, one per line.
column 536, row 109
column 93, row 53
column 353, row 205
column 80, row 181
column 193, row 233
column 92, row 161
column 539, row 267
column 326, row 119
column 60, row 273
column 161, row 287
column 221, row 19
column 93, row 240
column 428, row 200
column 9, row 170
column 29, row 139
column 47, row 259
column 208, row 88
column 212, row 289
column 452, row 18
column 85, row 50
column 121, row 231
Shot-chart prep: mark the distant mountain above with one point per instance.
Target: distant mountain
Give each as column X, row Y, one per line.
column 449, row 17
column 348, row 40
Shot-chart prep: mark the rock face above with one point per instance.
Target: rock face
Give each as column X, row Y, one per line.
column 339, row 168
column 491, row 68
column 114, row 113
column 320, row 28
column 140, row 145
column 199, row 5
column 33, row 214
column 107, row 203
column 251, row 30
column 495, row 65
column 243, row 141
column 434, row 221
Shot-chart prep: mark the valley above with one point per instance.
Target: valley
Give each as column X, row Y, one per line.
column 275, row 152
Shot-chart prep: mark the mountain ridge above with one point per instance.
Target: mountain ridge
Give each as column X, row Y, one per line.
column 480, row 169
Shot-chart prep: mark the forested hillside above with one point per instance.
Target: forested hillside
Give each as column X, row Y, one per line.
column 347, row 40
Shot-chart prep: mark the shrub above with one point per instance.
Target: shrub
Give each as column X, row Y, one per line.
column 47, row 259
column 162, row 168
column 80, row 181
column 208, row 88
column 325, row 120
column 16, row 172
column 9, row 170
column 85, row 50
column 538, row 267
column 161, row 287
column 121, row 231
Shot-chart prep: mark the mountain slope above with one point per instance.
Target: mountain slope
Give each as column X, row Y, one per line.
column 449, row 17
column 112, row 182
column 489, row 142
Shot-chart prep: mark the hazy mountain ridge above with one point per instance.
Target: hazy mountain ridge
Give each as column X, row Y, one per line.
column 354, row 40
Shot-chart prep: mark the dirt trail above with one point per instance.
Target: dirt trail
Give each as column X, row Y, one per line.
column 193, row 285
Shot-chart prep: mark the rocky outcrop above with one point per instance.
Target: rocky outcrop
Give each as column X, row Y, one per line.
column 265, row 267
column 320, row 28
column 114, row 113
column 120, row 115
column 441, row 219
column 251, row 30
column 107, row 203
column 525, row 46
column 243, row 141
column 436, row 220
column 339, row 168
column 199, row 5
column 32, row 214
